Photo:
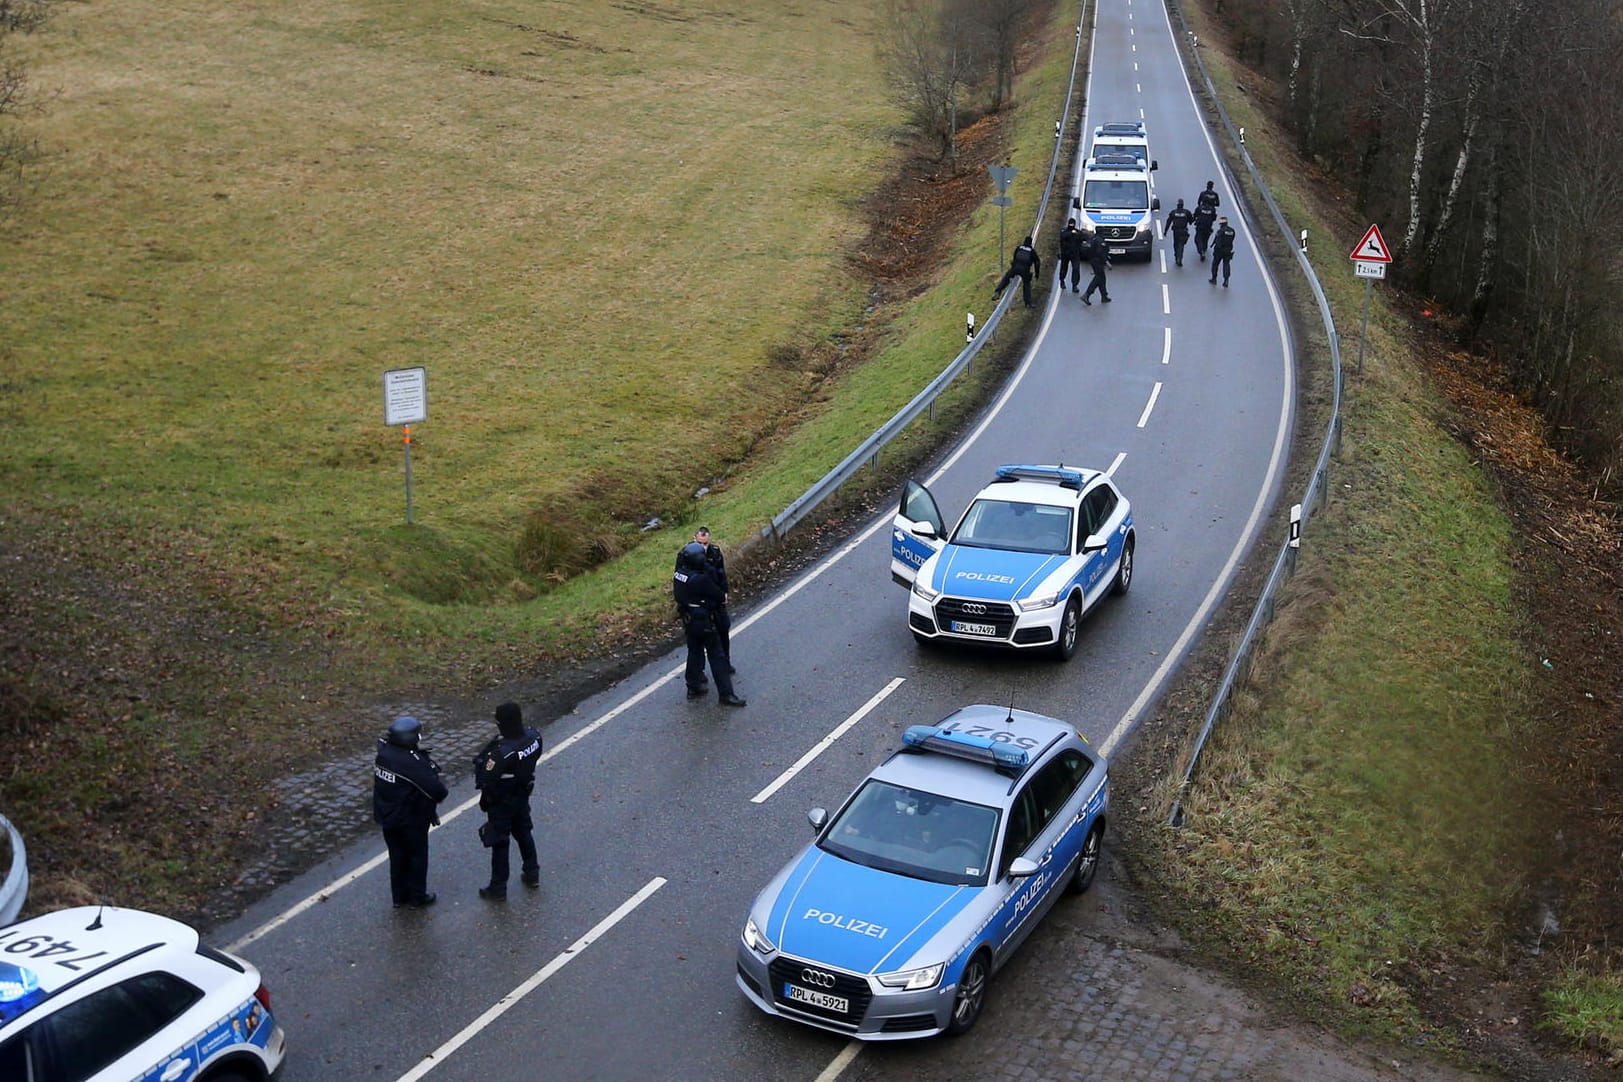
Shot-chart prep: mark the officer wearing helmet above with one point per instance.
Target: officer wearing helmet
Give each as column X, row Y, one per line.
column 504, row 774
column 406, row 787
column 698, row 596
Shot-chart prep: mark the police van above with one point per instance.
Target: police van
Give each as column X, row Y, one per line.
column 1123, row 138
column 99, row 994
column 1117, row 204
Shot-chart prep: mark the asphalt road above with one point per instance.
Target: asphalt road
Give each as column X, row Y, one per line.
column 659, row 819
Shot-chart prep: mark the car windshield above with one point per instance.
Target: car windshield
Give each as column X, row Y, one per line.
column 1017, row 527
column 914, row 833
column 1135, row 150
column 1116, row 195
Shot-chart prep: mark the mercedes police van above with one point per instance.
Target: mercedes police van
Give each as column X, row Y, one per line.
column 1117, row 204
column 1123, row 138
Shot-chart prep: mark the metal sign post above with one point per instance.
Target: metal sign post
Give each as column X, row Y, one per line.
column 1370, row 257
column 405, row 403
column 1003, row 175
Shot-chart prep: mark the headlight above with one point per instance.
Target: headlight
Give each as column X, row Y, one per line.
column 924, row 591
column 754, row 940
column 911, row 980
column 1032, row 604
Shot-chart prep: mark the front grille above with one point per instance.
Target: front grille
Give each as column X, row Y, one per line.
column 998, row 614
column 908, row 1023
column 1117, row 232
column 788, row 971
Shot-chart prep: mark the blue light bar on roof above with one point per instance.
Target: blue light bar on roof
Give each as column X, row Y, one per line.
column 19, row 990
column 1120, row 128
column 977, row 749
column 1060, row 475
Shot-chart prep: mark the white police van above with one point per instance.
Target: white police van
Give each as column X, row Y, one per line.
column 891, row 923
column 1123, row 138
column 1117, row 204
column 98, row 994
column 1036, row 550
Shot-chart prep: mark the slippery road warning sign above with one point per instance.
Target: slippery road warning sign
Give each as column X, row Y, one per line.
column 1372, row 249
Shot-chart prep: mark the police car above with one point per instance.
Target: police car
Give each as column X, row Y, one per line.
column 98, row 994
column 1035, row 551
column 891, row 924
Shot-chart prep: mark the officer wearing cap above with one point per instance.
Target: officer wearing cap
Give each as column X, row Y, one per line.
column 697, row 597
column 504, row 774
column 406, row 787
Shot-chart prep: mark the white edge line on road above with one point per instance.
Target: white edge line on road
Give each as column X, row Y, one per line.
column 840, row 1062
column 1166, row 346
column 824, row 744
column 502, row 1005
column 1155, row 392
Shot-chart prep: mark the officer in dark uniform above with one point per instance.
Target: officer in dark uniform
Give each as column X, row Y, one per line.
column 716, row 564
column 1179, row 219
column 1205, row 218
column 1208, row 198
column 1025, row 264
column 1222, row 250
column 406, row 787
column 1098, row 256
column 504, row 774
column 1071, row 243
column 697, row 597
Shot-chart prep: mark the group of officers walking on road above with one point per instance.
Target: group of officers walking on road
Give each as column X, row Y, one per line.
column 1211, row 230
column 407, row 791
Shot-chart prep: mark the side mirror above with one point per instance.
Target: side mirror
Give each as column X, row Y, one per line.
column 924, row 530
column 1154, row 165
column 1095, row 542
column 1076, row 202
column 1021, row 868
column 1155, row 203
column 818, row 818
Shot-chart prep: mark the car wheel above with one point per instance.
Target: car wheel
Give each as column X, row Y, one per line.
column 971, row 997
column 1088, row 866
column 1069, row 627
column 1124, row 570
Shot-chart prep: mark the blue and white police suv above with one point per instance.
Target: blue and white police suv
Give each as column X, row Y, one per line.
column 892, row 922
column 1035, row 551
column 98, row 994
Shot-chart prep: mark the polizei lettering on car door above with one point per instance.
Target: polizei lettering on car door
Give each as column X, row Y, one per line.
column 859, row 927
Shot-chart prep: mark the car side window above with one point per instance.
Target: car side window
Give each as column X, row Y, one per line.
column 1097, row 508
column 1025, row 823
column 14, row 1059
column 87, row 1035
column 1058, row 781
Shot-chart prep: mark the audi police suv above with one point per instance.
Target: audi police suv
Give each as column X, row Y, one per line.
column 1036, row 549
column 892, row 922
column 98, row 994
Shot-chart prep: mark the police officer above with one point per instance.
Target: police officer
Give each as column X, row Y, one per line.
column 1098, row 257
column 1178, row 222
column 504, row 774
column 1208, row 198
column 1222, row 250
column 1071, row 243
column 697, row 597
column 716, row 564
column 1205, row 217
column 406, row 786
column 1026, row 264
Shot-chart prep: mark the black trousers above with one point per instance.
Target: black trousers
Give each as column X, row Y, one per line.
column 408, row 863
column 724, row 628
column 1221, row 259
column 1203, row 237
column 511, row 822
column 1025, row 283
column 704, row 642
column 1097, row 282
column 1070, row 266
column 1178, row 241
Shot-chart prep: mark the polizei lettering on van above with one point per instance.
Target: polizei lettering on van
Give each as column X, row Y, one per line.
column 860, row 927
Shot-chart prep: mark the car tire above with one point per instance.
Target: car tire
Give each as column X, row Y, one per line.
column 971, row 995
column 1124, row 569
column 1070, row 630
column 1087, row 866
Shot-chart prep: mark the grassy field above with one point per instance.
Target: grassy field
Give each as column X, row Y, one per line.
column 1365, row 820
column 618, row 238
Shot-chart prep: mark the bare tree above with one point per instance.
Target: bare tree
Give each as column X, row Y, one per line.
column 929, row 60
column 16, row 149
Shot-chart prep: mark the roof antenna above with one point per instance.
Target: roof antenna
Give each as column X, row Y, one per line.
column 1011, row 706
column 95, row 924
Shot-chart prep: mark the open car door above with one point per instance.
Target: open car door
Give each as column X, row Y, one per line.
column 915, row 533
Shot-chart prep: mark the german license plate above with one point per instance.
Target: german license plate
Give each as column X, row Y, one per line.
column 973, row 629
column 817, row 999
column 1118, row 251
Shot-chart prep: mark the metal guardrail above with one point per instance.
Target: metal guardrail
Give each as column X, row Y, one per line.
column 868, row 451
column 1285, row 562
column 14, row 890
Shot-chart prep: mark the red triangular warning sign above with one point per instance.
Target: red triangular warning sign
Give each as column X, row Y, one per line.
column 1372, row 249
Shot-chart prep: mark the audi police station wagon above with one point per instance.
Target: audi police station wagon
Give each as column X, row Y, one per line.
column 891, row 924
column 1035, row 551
column 98, row 994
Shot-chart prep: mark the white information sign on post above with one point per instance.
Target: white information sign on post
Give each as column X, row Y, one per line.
column 405, row 396
column 1370, row 257
column 1366, row 268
